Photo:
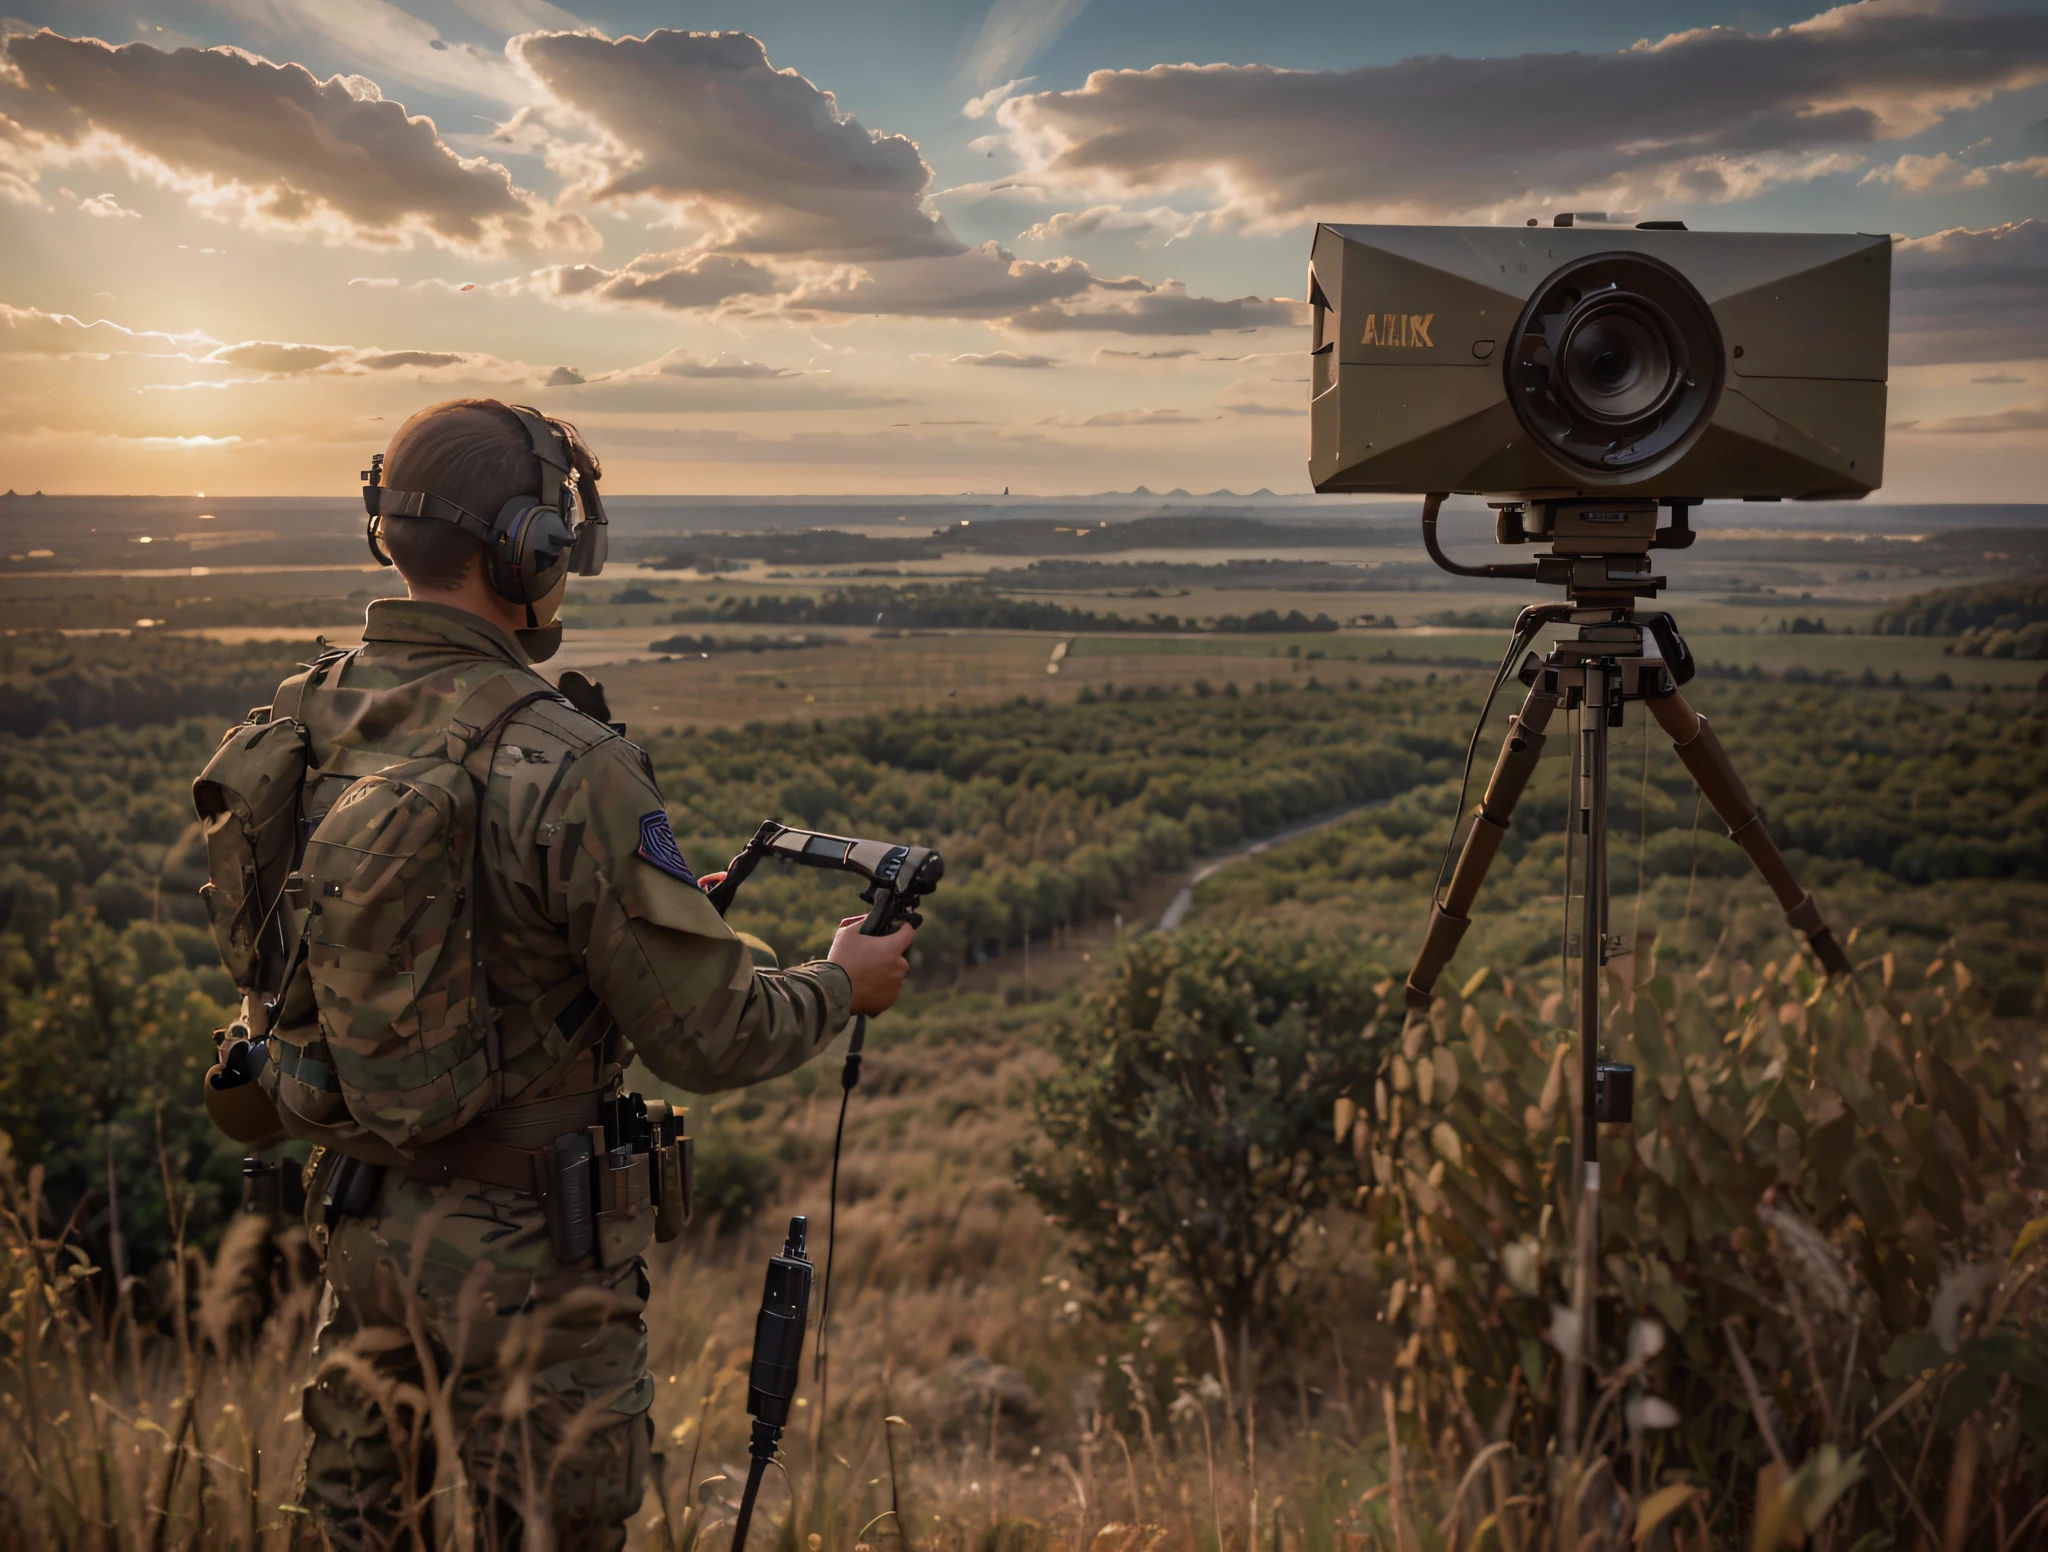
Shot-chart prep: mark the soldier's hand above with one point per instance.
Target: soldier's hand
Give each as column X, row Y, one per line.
column 876, row 966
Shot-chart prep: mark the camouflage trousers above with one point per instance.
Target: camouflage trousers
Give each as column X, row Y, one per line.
column 460, row 1370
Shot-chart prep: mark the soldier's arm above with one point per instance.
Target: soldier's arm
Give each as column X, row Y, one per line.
column 684, row 990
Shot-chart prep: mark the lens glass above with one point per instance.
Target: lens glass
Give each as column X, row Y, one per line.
column 1617, row 363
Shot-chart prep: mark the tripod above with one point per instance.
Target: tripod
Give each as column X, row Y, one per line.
column 1600, row 555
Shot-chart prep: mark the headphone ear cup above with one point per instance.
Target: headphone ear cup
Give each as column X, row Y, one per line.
column 529, row 550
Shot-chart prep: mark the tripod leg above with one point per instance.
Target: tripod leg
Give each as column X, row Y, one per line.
column 1701, row 751
column 1450, row 916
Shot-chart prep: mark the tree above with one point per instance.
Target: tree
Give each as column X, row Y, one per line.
column 101, row 1060
column 1187, row 1134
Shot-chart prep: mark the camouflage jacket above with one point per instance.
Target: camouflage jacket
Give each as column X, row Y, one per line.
column 596, row 944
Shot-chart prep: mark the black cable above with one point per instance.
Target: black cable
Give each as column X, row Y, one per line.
column 1527, row 624
column 763, row 1451
column 1524, row 571
column 1571, row 836
column 849, row 1078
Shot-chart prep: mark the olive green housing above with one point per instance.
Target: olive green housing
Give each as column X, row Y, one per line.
column 1414, row 324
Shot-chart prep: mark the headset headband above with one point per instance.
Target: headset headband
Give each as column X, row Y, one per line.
column 557, row 467
column 561, row 489
column 549, row 446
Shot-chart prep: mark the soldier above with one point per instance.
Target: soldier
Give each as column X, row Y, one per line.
column 475, row 1359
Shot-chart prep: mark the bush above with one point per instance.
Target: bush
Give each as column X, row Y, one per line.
column 734, row 1179
column 1837, row 1186
column 1187, row 1129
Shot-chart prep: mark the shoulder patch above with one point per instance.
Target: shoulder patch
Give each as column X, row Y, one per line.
column 658, row 846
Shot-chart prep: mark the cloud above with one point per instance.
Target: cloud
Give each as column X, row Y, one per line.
column 1160, row 225
column 1167, row 308
column 417, row 287
column 983, row 282
column 1177, row 353
column 1971, row 295
column 107, row 208
column 418, row 360
column 986, row 282
column 2014, row 417
column 1702, row 116
column 761, row 159
column 1943, row 172
column 986, row 103
column 1265, row 396
column 278, row 360
column 29, row 331
column 238, row 135
column 1005, row 358
column 1014, row 33
column 2001, row 378
column 1130, row 418
column 1030, row 295
column 725, row 383
column 681, row 363
column 675, row 281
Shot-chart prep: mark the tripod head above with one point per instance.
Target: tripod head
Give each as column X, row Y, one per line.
column 1599, row 549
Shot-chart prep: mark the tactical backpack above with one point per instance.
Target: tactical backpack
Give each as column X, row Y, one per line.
column 351, row 928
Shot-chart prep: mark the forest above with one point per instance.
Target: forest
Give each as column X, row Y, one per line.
column 1995, row 619
column 967, row 606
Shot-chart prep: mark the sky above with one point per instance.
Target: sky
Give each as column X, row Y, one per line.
column 928, row 246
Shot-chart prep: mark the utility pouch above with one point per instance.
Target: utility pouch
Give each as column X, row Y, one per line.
column 301, row 1081
column 672, row 1190
column 352, row 1190
column 247, row 800
column 572, row 1225
column 625, row 1220
column 669, row 1157
column 626, row 1185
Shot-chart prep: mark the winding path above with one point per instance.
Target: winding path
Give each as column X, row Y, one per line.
column 1177, row 909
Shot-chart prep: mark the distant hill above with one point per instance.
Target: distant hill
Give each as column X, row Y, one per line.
column 1992, row 619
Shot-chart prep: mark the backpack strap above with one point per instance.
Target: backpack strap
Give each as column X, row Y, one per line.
column 290, row 700
column 479, row 720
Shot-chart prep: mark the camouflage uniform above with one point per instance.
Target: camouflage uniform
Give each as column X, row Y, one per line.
column 597, row 947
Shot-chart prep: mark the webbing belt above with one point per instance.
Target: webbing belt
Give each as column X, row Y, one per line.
column 506, row 1147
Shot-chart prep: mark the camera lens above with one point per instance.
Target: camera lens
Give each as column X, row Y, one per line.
column 1618, row 360
column 1618, row 366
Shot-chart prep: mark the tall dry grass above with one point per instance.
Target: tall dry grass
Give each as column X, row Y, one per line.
column 969, row 1398
column 972, row 1400
column 131, row 1435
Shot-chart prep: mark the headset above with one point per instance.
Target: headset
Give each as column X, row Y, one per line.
column 535, row 540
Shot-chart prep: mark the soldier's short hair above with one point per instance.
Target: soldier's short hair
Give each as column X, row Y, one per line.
column 473, row 452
